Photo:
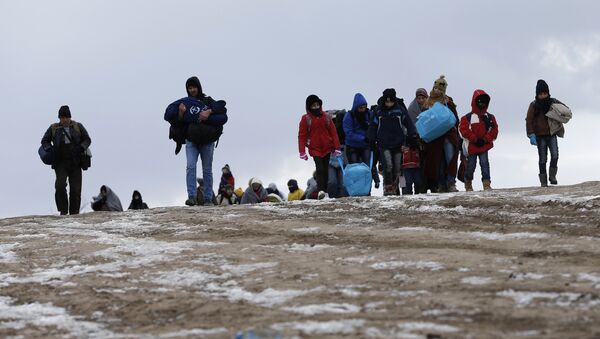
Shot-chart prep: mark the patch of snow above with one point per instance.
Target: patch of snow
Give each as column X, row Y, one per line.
column 415, row 229
column 526, row 298
column 506, row 236
column 348, row 326
column 464, row 269
column 307, row 248
column 594, row 279
column 323, row 308
column 46, row 315
column 391, row 265
column 426, row 326
column 195, row 332
column 357, row 260
column 476, row 280
column 309, row 230
column 267, row 298
column 238, row 270
column 527, row 276
column 6, row 253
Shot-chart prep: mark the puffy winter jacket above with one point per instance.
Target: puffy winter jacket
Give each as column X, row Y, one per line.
column 391, row 127
column 355, row 132
column 318, row 133
column 477, row 128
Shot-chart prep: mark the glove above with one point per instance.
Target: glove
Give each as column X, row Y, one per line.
column 377, row 184
column 480, row 142
column 532, row 139
column 303, row 156
column 337, row 153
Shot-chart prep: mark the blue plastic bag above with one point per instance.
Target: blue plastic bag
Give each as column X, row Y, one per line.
column 357, row 178
column 435, row 122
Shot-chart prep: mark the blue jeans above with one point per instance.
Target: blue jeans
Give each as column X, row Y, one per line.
column 192, row 151
column 484, row 163
column 448, row 155
column 543, row 145
column 391, row 159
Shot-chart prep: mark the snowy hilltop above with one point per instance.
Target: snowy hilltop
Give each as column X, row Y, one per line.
column 506, row 263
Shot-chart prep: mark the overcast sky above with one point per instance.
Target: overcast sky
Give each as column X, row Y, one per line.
column 118, row 64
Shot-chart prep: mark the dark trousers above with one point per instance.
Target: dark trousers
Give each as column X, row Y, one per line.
column 545, row 144
column 67, row 204
column 413, row 177
column 322, row 164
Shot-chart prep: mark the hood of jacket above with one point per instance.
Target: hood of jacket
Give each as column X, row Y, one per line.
column 476, row 94
column 359, row 100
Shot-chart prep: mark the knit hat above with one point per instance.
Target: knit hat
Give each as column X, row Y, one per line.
column 226, row 167
column 441, row 84
column 541, row 87
column 64, row 111
column 421, row 92
column 390, row 94
column 193, row 82
column 311, row 99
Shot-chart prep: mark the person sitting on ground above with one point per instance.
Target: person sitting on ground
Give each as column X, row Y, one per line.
column 107, row 200
column 272, row 189
column 312, row 189
column 295, row 192
column 136, row 202
column 226, row 178
column 227, row 196
column 255, row 193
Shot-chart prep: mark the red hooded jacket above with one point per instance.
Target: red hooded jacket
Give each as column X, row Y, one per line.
column 321, row 137
column 476, row 127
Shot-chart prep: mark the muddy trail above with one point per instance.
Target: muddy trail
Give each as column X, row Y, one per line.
column 517, row 263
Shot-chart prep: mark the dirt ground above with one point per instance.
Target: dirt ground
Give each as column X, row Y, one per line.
column 519, row 263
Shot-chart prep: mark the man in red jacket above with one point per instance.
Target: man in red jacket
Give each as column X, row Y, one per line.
column 478, row 130
column 317, row 132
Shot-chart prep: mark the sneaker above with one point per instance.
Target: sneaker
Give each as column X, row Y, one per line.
column 191, row 202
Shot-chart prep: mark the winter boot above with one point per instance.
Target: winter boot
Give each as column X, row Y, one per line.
column 552, row 177
column 321, row 195
column 543, row 179
column 388, row 190
column 469, row 185
column 487, row 185
column 191, row 202
column 452, row 188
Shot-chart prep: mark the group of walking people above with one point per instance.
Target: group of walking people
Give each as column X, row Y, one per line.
column 384, row 135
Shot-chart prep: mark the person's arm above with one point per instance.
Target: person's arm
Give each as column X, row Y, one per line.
column 465, row 130
column 492, row 134
column 302, row 135
column 85, row 140
column 47, row 139
column 529, row 119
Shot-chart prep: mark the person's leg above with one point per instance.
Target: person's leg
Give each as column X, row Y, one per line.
column 542, row 146
column 397, row 163
column 388, row 166
column 553, row 146
column 352, row 155
column 484, row 163
column 206, row 155
column 332, row 184
column 60, row 189
column 410, row 180
column 75, row 178
column 191, row 155
column 471, row 165
column 322, row 167
column 449, row 155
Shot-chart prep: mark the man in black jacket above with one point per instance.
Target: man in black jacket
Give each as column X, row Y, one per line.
column 67, row 141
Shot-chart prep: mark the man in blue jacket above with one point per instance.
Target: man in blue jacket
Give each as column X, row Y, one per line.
column 203, row 119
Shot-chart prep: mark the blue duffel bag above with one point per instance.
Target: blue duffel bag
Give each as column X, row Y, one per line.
column 435, row 122
column 357, row 178
column 46, row 156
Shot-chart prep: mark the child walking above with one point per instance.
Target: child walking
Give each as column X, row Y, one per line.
column 478, row 129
